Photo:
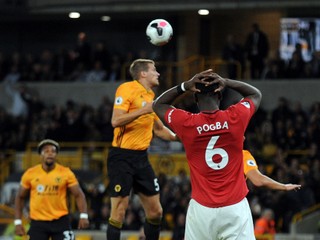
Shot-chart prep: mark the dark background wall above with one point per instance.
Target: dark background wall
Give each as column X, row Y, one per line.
column 193, row 34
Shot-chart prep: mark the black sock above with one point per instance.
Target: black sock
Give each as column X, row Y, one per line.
column 151, row 231
column 113, row 232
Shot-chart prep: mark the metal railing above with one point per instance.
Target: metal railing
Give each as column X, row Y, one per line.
column 7, row 160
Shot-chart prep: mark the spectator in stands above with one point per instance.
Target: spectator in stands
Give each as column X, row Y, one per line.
column 270, row 71
column 46, row 61
column 82, row 52
column 47, row 74
column 314, row 65
column 276, row 59
column 103, row 119
column 29, row 61
column 296, row 66
column 79, row 73
column 13, row 76
column 132, row 219
column 36, row 72
column 16, row 60
column 101, row 224
column 298, row 137
column 101, row 54
column 63, row 65
column 233, row 53
column 47, row 194
column 265, row 224
column 97, row 74
column 19, row 107
column 281, row 114
column 73, row 128
column 179, row 228
column 257, row 50
column 96, row 194
column 115, row 68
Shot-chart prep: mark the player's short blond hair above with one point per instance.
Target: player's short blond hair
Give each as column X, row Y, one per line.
column 139, row 65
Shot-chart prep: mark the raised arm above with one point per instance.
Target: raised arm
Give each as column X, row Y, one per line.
column 161, row 131
column 164, row 101
column 245, row 89
column 260, row 180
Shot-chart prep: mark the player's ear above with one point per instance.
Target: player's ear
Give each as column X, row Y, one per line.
column 143, row 73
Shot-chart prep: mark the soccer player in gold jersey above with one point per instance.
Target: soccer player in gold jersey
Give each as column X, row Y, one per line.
column 128, row 165
column 259, row 179
column 46, row 185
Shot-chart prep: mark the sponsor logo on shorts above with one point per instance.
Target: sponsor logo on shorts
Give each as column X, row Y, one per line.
column 117, row 188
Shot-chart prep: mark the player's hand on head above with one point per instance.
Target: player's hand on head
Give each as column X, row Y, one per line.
column 220, row 81
column 205, row 77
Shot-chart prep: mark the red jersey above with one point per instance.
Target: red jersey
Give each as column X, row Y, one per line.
column 213, row 143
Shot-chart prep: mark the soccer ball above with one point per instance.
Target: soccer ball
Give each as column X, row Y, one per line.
column 159, row 32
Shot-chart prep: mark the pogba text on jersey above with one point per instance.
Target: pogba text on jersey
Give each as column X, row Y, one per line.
column 212, row 127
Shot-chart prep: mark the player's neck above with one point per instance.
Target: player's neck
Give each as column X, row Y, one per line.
column 145, row 84
column 209, row 111
column 47, row 168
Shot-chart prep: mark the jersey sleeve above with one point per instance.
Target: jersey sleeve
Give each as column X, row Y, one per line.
column 247, row 103
column 242, row 111
column 174, row 117
column 71, row 178
column 26, row 180
column 249, row 163
column 122, row 98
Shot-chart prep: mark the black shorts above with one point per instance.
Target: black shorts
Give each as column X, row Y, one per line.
column 130, row 169
column 59, row 229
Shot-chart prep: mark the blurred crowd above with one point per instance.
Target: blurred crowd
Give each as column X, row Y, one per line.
column 34, row 120
column 266, row 64
column 90, row 61
column 85, row 62
column 285, row 142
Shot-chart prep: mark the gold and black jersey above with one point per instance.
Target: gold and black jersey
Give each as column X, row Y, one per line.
column 249, row 163
column 48, row 191
column 136, row 135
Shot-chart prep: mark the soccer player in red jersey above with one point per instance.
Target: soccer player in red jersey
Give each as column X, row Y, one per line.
column 213, row 141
